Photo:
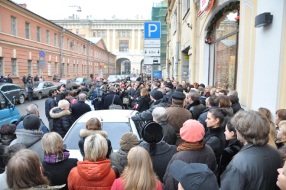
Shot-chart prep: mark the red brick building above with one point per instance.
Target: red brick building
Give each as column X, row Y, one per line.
column 31, row 44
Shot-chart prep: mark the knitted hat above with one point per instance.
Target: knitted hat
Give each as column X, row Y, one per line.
column 128, row 140
column 192, row 131
column 178, row 95
column 156, row 94
column 193, row 176
column 169, row 85
column 152, row 132
column 31, row 122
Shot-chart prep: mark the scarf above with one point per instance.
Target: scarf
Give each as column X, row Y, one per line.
column 56, row 158
column 191, row 146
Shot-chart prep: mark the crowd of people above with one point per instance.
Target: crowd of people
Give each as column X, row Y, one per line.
column 192, row 137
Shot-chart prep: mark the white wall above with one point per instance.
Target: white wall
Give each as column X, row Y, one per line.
column 267, row 56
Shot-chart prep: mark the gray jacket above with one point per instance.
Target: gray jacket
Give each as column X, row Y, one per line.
column 119, row 159
column 31, row 139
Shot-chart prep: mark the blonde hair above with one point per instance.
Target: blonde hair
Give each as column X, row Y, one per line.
column 139, row 173
column 52, row 143
column 93, row 124
column 63, row 104
column 95, row 147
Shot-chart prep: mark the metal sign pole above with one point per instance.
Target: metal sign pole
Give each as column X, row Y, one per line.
column 151, row 73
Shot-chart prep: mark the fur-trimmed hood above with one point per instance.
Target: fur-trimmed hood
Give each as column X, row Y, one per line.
column 58, row 112
column 86, row 132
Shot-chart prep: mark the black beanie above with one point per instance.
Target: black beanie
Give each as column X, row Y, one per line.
column 152, row 132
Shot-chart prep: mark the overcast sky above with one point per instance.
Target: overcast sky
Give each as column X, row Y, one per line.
column 97, row 9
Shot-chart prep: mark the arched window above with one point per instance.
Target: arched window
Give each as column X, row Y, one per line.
column 223, row 34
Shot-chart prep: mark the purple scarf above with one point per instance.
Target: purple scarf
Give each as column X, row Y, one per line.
column 56, row 158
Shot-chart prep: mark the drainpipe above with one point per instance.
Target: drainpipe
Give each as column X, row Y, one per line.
column 176, row 61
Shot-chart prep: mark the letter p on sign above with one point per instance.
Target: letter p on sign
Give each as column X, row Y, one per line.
column 152, row 30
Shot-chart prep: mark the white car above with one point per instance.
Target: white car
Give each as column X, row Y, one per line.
column 114, row 122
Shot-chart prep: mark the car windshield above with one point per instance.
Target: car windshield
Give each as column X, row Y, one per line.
column 114, row 133
column 63, row 81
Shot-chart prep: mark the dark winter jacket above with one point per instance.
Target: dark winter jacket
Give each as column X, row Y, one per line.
column 163, row 154
column 85, row 133
column 143, row 103
column 51, row 170
column 62, row 120
column 119, row 159
column 204, row 156
column 232, row 149
column 253, row 167
column 196, row 108
column 49, row 104
column 79, row 108
column 147, row 115
column 109, row 98
column 169, row 133
column 30, row 87
column 215, row 138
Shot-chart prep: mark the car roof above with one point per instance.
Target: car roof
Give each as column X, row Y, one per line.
column 107, row 115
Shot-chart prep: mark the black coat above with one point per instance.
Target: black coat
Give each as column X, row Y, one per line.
column 215, row 138
column 143, row 103
column 49, row 104
column 253, row 167
column 108, row 100
column 57, row 173
column 169, row 132
column 79, row 108
column 196, row 108
column 62, row 120
column 228, row 153
column 163, row 154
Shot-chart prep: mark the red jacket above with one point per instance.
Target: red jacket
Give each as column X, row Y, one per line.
column 91, row 175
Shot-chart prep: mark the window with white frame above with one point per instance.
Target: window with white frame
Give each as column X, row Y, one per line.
column 68, row 68
column 55, row 39
column 14, row 66
column 39, row 69
column 174, row 22
column 49, row 69
column 74, row 68
column 47, row 36
column 30, row 70
column 27, row 30
column 38, row 34
column 56, row 68
column 1, row 66
column 123, row 46
column 185, row 7
column 13, row 25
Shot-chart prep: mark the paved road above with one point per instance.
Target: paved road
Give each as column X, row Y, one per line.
column 41, row 106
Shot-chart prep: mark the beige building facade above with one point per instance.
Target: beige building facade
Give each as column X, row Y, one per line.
column 124, row 38
column 216, row 43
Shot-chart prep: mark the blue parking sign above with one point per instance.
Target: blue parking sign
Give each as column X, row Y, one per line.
column 152, row 29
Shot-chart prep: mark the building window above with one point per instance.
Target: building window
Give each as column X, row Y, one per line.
column 99, row 33
column 123, row 45
column 30, row 71
column 56, row 68
column 38, row 33
column 14, row 66
column 47, row 37
column 63, row 69
column 124, row 33
column 55, row 39
column 174, row 22
column 1, row 66
column 225, row 51
column 39, row 69
column 68, row 66
column 13, row 26
column 77, row 31
column 49, row 69
column 27, row 30
column 185, row 7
